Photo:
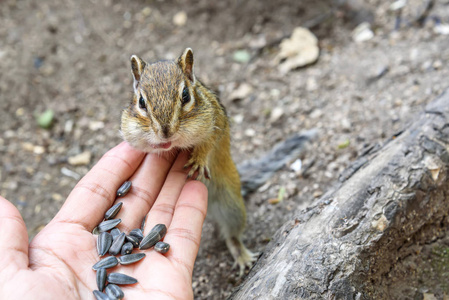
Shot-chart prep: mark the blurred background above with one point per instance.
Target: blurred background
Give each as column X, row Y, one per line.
column 357, row 71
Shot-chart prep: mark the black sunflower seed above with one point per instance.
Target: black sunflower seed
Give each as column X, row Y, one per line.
column 101, row 296
column 119, row 278
column 142, row 225
column 131, row 258
column 124, row 189
column 95, row 231
column 117, row 244
column 103, row 243
column 114, row 291
column 137, row 233
column 161, row 247
column 115, row 233
column 101, row 279
column 127, row 248
column 106, row 263
column 150, row 240
column 108, row 225
column 161, row 229
column 133, row 240
column 113, row 211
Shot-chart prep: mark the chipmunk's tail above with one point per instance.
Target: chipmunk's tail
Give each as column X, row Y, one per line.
column 255, row 172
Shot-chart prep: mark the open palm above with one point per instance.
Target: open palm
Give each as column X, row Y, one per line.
column 58, row 262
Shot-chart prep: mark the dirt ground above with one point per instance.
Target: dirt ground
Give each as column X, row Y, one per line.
column 73, row 57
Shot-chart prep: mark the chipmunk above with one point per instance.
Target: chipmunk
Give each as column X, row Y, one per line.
column 171, row 108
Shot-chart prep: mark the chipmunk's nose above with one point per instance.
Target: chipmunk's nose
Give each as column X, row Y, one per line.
column 165, row 131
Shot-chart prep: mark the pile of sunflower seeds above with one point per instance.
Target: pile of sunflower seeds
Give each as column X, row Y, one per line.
column 114, row 242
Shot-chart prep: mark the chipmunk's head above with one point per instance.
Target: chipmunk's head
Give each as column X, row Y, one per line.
column 164, row 105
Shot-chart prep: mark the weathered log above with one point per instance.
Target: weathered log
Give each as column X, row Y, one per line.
column 341, row 247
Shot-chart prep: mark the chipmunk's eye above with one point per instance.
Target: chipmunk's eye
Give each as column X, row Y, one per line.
column 142, row 103
column 185, row 95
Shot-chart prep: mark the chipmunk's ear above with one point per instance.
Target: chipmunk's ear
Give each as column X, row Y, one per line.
column 185, row 61
column 137, row 66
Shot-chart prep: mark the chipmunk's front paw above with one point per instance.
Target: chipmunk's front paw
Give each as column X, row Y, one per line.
column 200, row 169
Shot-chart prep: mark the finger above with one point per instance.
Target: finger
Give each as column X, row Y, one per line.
column 14, row 237
column 163, row 208
column 184, row 233
column 95, row 192
column 147, row 182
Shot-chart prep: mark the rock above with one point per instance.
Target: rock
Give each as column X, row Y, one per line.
column 68, row 126
column 250, row 132
column 441, row 28
column 146, row 11
column 397, row 5
column 276, row 114
column 243, row 91
column 238, row 119
column 33, row 148
column 96, row 125
column 299, row 50
column 80, row 159
column 45, row 119
column 180, row 19
column 70, row 173
column 362, row 33
column 241, row 56
column 296, row 166
column 311, row 84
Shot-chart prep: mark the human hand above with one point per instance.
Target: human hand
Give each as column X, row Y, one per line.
column 57, row 264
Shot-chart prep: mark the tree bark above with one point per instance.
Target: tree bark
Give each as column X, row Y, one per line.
column 392, row 196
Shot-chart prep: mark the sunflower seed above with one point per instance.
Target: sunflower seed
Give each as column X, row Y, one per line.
column 117, row 244
column 131, row 258
column 113, row 211
column 142, row 225
column 108, row 262
column 101, row 296
column 114, row 291
column 124, row 189
column 104, row 241
column 133, row 240
column 150, row 240
column 137, row 233
column 95, row 231
column 108, row 224
column 115, row 233
column 119, row 278
column 161, row 229
column 101, row 279
column 127, row 248
column 161, row 247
